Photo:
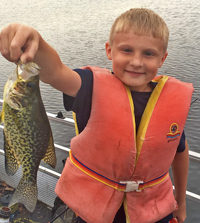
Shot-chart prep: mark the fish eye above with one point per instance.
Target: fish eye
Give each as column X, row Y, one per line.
column 30, row 84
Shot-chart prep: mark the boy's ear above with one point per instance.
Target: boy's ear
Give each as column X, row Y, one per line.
column 163, row 59
column 108, row 50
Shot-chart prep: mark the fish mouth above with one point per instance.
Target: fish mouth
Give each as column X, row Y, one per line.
column 29, row 65
column 25, row 71
column 14, row 91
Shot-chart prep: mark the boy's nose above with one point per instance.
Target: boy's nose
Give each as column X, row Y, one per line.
column 136, row 61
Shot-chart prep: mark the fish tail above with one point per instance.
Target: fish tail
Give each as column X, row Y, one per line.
column 26, row 194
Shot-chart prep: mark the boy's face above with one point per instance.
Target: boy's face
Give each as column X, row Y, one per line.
column 136, row 59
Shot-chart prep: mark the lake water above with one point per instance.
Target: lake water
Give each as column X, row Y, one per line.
column 78, row 31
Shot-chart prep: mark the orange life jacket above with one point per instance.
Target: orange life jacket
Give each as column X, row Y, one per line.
column 107, row 157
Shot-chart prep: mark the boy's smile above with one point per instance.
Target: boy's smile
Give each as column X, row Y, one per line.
column 136, row 59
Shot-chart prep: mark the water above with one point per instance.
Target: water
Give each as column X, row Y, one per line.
column 78, row 31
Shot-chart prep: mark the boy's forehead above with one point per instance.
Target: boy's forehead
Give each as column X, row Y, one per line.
column 129, row 35
column 139, row 32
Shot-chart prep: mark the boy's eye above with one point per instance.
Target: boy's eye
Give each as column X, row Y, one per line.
column 148, row 53
column 127, row 50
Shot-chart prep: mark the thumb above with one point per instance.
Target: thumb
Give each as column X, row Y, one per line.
column 29, row 52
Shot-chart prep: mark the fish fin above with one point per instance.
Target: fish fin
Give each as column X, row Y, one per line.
column 26, row 194
column 11, row 162
column 2, row 117
column 50, row 156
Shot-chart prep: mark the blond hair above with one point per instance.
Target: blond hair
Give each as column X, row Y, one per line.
column 142, row 22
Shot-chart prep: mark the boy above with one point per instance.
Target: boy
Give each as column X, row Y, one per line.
column 131, row 123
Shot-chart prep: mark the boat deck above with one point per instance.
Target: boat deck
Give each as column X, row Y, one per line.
column 19, row 213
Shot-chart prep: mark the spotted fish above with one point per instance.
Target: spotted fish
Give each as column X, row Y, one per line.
column 27, row 132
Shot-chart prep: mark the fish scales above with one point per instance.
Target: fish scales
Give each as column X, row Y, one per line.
column 27, row 133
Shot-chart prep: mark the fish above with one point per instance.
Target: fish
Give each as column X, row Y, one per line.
column 28, row 137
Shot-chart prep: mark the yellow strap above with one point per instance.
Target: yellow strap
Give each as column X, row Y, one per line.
column 148, row 113
column 76, row 125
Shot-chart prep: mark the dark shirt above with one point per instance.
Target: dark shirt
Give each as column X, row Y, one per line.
column 81, row 105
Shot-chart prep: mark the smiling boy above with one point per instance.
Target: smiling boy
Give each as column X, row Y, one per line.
column 118, row 166
column 136, row 59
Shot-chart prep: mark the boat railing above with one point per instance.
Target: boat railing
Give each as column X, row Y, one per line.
column 54, row 176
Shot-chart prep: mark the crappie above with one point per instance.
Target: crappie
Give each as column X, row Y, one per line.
column 27, row 132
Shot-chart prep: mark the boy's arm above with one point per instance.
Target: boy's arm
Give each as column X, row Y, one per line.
column 22, row 42
column 180, row 167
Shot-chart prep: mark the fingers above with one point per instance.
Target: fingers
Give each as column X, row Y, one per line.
column 4, row 43
column 178, row 220
column 30, row 48
column 6, row 36
column 19, row 42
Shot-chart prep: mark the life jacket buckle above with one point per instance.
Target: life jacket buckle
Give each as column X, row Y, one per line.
column 132, row 185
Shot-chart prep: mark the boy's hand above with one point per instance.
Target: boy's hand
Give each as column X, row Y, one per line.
column 180, row 213
column 22, row 42
column 19, row 41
